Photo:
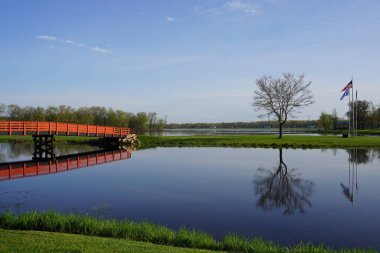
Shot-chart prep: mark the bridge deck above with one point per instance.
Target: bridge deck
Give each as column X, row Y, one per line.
column 59, row 128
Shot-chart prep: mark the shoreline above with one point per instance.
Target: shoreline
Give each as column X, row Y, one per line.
column 148, row 233
column 243, row 141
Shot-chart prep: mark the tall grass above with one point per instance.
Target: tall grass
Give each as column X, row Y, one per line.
column 146, row 232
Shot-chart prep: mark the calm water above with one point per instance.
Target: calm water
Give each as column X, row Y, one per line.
column 323, row 196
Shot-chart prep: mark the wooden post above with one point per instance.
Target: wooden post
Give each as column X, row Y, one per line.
column 50, row 128
column 96, row 130
column 77, row 129
column 68, row 132
column 24, row 128
column 38, row 128
column 88, row 131
column 56, row 128
column 10, row 128
column 9, row 170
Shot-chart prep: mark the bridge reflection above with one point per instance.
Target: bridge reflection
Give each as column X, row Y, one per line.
column 37, row 167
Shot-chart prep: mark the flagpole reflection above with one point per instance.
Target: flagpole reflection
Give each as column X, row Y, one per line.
column 352, row 187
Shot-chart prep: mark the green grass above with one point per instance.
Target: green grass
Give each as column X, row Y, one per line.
column 266, row 141
column 288, row 141
column 36, row 241
column 370, row 131
column 143, row 232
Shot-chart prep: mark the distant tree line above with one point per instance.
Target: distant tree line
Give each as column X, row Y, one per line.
column 94, row 115
column 368, row 116
column 253, row 124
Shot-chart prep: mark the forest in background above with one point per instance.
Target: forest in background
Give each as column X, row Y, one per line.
column 94, row 115
column 368, row 118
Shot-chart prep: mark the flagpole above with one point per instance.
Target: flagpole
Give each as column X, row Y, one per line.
column 356, row 113
column 349, row 115
column 353, row 108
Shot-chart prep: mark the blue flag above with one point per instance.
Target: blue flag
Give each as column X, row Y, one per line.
column 346, row 93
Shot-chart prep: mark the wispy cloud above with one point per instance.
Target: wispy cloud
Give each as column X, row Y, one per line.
column 46, row 37
column 240, row 5
column 73, row 43
column 170, row 19
column 219, row 7
column 69, row 42
column 101, row 50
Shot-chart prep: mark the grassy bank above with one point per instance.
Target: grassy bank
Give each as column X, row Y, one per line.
column 288, row 141
column 267, row 141
column 143, row 232
column 37, row 241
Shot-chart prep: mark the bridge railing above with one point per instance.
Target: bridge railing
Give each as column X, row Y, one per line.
column 59, row 128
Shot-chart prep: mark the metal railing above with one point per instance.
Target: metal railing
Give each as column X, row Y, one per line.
column 59, row 128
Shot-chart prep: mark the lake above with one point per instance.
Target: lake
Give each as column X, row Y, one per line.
column 285, row 195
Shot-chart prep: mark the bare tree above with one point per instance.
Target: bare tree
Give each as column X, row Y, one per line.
column 282, row 96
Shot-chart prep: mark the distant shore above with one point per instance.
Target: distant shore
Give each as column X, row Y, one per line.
column 264, row 141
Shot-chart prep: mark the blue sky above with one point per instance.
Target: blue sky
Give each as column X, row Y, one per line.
column 194, row 61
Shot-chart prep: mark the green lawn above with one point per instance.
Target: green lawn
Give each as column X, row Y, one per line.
column 36, row 241
column 268, row 141
column 288, row 141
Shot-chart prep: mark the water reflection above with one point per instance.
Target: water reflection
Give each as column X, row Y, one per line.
column 362, row 156
column 211, row 189
column 10, row 152
column 36, row 167
column 281, row 188
column 355, row 157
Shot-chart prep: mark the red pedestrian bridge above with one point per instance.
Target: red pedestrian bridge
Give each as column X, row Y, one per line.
column 59, row 128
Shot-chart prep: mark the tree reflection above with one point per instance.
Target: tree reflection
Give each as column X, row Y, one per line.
column 362, row 156
column 282, row 188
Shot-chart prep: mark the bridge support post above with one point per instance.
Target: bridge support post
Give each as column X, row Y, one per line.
column 43, row 146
